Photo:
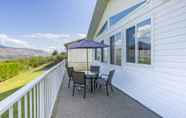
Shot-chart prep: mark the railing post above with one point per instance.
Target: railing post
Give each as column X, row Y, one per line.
column 42, row 100
column 35, row 101
column 11, row 112
column 38, row 101
column 39, row 96
column 26, row 106
column 19, row 109
column 30, row 95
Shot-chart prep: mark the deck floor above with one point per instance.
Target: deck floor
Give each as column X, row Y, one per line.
column 98, row 105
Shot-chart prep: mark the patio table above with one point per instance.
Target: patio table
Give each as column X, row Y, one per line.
column 91, row 76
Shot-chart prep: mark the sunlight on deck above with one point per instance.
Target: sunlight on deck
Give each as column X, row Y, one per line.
column 98, row 105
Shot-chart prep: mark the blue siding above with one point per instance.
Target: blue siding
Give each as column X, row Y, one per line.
column 103, row 29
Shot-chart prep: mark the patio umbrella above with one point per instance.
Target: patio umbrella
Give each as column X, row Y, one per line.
column 87, row 44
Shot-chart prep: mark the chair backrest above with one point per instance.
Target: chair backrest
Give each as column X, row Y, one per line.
column 78, row 77
column 110, row 76
column 66, row 63
column 95, row 69
column 70, row 70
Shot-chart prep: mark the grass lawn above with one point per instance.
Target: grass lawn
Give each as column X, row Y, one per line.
column 11, row 85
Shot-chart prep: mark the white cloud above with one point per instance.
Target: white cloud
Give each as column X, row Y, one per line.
column 52, row 41
column 81, row 35
column 44, row 41
column 48, row 35
column 12, row 42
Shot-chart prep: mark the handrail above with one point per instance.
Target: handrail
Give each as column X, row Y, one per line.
column 15, row 97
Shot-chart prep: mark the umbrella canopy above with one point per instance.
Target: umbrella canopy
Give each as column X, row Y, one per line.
column 87, row 44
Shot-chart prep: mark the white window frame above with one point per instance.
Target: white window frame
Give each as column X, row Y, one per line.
column 121, row 34
column 136, row 42
column 106, row 52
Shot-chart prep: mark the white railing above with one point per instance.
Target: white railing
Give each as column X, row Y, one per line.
column 36, row 99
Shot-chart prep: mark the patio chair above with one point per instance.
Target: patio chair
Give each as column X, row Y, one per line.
column 69, row 71
column 95, row 69
column 106, row 81
column 79, row 80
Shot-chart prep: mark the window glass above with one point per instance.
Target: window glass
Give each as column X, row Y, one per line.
column 112, row 50
column 105, row 59
column 116, row 49
column 114, row 19
column 102, row 53
column 130, row 44
column 98, row 54
column 144, row 42
column 95, row 54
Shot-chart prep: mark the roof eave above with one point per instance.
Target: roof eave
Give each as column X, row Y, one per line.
column 97, row 15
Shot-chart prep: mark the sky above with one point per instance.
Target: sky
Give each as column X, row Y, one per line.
column 44, row 24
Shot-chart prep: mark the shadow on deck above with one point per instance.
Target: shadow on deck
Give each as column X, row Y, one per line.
column 98, row 105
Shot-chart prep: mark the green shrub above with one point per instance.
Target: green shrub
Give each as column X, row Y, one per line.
column 8, row 70
column 11, row 68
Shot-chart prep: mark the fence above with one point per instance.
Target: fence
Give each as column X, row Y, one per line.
column 36, row 99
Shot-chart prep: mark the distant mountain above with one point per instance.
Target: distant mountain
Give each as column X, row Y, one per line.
column 13, row 53
column 2, row 46
column 144, row 46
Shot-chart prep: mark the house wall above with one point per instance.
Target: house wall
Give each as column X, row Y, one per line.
column 114, row 7
column 77, row 58
column 161, row 86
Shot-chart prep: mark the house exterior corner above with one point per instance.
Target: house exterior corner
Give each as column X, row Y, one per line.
column 147, row 50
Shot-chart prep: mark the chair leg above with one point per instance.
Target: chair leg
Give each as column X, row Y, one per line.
column 111, row 88
column 73, row 90
column 94, row 86
column 91, row 89
column 107, row 91
column 84, row 94
column 69, row 83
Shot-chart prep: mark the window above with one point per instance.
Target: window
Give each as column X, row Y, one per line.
column 144, row 42
column 115, row 49
column 130, row 44
column 95, row 54
column 114, row 19
column 104, row 54
column 139, row 37
column 105, row 60
column 98, row 54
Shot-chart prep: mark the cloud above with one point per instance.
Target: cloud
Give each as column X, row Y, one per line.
column 51, row 49
column 43, row 41
column 47, row 35
column 81, row 35
column 12, row 42
column 51, row 41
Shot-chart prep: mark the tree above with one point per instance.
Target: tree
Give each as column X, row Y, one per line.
column 54, row 53
column 64, row 54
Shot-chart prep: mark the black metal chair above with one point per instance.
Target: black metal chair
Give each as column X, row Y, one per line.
column 79, row 80
column 69, row 71
column 95, row 69
column 106, row 80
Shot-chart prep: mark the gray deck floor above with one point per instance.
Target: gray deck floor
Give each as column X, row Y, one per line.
column 98, row 105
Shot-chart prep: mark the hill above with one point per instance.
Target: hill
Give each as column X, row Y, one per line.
column 13, row 53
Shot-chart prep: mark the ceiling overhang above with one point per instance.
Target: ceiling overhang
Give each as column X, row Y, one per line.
column 96, row 18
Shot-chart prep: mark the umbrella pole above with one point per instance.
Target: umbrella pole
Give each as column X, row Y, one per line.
column 87, row 59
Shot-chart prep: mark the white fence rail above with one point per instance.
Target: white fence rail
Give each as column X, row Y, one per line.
column 36, row 99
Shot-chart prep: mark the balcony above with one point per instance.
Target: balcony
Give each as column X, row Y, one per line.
column 49, row 97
